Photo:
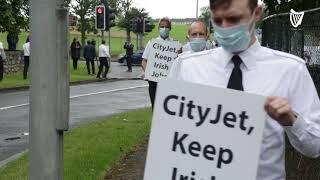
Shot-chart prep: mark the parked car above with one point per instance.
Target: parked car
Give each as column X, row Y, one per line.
column 136, row 58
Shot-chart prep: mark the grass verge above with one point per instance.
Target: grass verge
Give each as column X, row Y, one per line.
column 93, row 148
column 16, row 80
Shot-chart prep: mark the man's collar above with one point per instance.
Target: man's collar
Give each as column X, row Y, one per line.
column 248, row 56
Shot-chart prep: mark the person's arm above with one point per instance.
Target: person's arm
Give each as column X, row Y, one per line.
column 3, row 54
column 145, row 56
column 107, row 51
column 144, row 64
column 300, row 114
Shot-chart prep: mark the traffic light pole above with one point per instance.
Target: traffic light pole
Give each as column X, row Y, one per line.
column 141, row 41
column 102, row 35
column 49, row 90
column 109, row 40
column 137, row 41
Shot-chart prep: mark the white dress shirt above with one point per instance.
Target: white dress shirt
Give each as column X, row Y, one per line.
column 1, row 48
column 147, row 50
column 269, row 73
column 26, row 49
column 104, row 51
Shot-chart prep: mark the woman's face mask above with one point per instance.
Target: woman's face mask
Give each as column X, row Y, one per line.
column 236, row 38
column 164, row 32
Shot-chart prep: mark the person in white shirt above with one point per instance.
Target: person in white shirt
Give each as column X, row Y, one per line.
column 2, row 58
column 198, row 38
column 103, row 59
column 26, row 53
column 164, row 31
column 292, row 104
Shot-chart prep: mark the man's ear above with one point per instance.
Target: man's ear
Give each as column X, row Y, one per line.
column 258, row 13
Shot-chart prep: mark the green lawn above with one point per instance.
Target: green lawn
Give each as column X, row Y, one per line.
column 16, row 80
column 92, row 149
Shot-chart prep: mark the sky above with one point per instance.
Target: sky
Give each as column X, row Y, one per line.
column 171, row 8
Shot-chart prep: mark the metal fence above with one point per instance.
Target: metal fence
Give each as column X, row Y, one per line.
column 303, row 41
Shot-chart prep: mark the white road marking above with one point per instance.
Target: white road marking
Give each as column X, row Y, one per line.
column 78, row 96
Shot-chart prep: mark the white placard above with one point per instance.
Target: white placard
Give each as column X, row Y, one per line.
column 160, row 59
column 204, row 133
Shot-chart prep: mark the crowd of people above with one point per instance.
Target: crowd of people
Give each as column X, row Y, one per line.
column 197, row 36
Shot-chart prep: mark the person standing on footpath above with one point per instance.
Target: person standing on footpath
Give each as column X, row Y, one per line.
column 89, row 53
column 128, row 46
column 103, row 59
column 2, row 58
column 26, row 59
column 164, row 31
column 75, row 53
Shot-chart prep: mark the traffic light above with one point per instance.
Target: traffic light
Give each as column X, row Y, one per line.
column 140, row 25
column 110, row 16
column 100, row 18
column 133, row 25
column 147, row 26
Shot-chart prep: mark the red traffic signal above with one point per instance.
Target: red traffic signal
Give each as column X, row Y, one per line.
column 100, row 18
column 99, row 10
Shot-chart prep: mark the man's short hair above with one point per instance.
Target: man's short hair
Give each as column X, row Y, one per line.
column 198, row 21
column 88, row 42
column 167, row 20
column 103, row 42
column 215, row 3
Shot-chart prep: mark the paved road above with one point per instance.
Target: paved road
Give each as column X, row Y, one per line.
column 88, row 102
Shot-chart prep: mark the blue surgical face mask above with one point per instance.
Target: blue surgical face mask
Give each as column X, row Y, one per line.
column 234, row 39
column 164, row 32
column 198, row 44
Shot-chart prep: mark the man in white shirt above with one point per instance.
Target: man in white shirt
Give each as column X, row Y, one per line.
column 164, row 31
column 198, row 38
column 242, row 64
column 103, row 59
column 2, row 58
column 26, row 53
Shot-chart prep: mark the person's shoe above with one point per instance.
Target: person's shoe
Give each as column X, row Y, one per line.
column 129, row 70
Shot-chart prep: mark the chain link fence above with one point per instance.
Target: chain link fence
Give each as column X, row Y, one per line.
column 304, row 41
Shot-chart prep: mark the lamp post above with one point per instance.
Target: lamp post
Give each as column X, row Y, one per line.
column 197, row 8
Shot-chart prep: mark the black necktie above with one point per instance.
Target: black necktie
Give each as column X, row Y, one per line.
column 235, row 81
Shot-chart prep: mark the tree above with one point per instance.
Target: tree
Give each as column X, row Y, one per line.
column 128, row 13
column 282, row 6
column 205, row 15
column 85, row 9
column 14, row 17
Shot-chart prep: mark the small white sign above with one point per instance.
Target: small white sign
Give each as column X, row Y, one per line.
column 161, row 57
column 296, row 18
column 204, row 133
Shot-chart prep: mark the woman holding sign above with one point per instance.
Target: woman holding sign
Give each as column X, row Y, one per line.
column 164, row 30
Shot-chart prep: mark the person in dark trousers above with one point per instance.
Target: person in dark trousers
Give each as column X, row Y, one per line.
column 75, row 52
column 2, row 58
column 89, row 53
column 103, row 59
column 26, row 54
column 128, row 46
column 164, row 31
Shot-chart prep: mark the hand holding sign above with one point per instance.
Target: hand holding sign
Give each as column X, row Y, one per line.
column 211, row 134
